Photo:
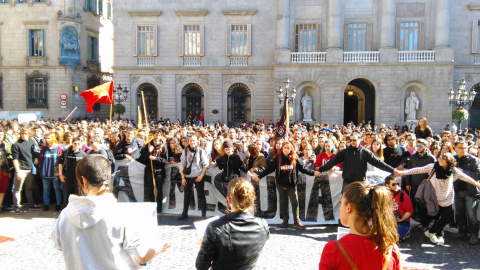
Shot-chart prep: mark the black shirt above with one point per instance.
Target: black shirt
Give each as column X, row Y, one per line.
column 396, row 156
column 23, row 151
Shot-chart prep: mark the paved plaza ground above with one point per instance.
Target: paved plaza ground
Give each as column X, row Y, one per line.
column 286, row 249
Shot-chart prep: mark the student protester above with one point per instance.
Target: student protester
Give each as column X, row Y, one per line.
column 22, row 154
column 83, row 231
column 402, row 206
column 236, row 240
column 442, row 178
column 67, row 164
column 130, row 147
column 194, row 158
column 48, row 167
column 466, row 195
column 97, row 147
column 286, row 167
column 4, row 171
column 371, row 243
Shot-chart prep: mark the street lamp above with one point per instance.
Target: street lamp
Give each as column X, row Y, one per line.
column 286, row 93
column 462, row 97
column 120, row 94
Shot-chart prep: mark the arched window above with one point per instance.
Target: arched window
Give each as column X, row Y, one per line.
column 238, row 104
column 151, row 95
column 474, row 118
column 192, row 101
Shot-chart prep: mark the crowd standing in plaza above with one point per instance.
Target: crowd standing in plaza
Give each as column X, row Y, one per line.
column 37, row 155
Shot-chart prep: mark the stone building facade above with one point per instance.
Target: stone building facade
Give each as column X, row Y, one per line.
column 49, row 48
column 357, row 59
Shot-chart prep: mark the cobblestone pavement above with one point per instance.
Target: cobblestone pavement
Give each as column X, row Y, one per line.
column 286, row 249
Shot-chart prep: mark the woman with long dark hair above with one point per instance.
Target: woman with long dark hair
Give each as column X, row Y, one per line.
column 286, row 166
column 423, row 131
column 371, row 243
column 442, row 174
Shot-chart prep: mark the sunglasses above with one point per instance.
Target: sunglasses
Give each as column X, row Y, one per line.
column 395, row 184
column 420, row 146
column 410, row 140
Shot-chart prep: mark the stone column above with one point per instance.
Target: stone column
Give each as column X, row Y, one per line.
column 442, row 20
column 283, row 24
column 387, row 27
column 335, row 23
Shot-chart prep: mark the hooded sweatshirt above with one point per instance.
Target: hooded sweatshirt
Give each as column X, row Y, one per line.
column 92, row 235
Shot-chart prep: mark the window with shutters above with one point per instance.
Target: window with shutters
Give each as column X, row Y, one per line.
column 109, row 10
column 192, row 40
column 100, row 7
column 357, row 37
column 93, row 49
column 90, row 5
column 478, row 36
column 409, row 36
column 306, row 37
column 37, row 94
column 36, row 43
column 239, row 40
column 146, row 41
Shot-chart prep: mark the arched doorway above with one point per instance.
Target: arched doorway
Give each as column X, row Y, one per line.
column 359, row 102
column 474, row 118
column 151, row 96
column 192, row 101
column 238, row 104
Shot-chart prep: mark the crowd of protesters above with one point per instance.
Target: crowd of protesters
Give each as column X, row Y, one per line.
column 36, row 155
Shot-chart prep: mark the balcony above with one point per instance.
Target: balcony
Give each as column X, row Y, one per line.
column 308, row 57
column 238, row 61
column 416, row 56
column 192, row 61
column 361, row 57
column 146, row 61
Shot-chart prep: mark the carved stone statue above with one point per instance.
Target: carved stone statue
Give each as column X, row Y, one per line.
column 307, row 107
column 69, row 47
column 411, row 106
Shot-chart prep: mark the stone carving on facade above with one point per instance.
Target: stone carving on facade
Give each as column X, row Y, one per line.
column 158, row 79
column 307, row 107
column 203, row 79
column 251, row 79
column 37, row 74
column 69, row 47
column 411, row 106
column 227, row 79
column 180, row 79
column 135, row 78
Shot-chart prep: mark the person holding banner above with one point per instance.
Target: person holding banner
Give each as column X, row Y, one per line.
column 371, row 243
column 129, row 148
column 286, row 167
column 195, row 162
column 235, row 240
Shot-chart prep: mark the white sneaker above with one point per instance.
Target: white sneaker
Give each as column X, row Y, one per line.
column 441, row 241
column 432, row 237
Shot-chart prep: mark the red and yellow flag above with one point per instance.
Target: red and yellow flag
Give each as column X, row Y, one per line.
column 99, row 94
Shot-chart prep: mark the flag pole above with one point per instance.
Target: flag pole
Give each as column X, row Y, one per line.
column 111, row 109
column 148, row 133
column 68, row 116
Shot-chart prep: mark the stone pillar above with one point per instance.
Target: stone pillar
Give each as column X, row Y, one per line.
column 335, row 31
column 283, row 24
column 442, row 20
column 387, row 26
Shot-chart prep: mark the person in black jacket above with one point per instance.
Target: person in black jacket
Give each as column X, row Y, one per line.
column 230, row 163
column 421, row 158
column 286, row 167
column 129, row 148
column 355, row 159
column 466, row 195
column 66, row 167
column 235, row 240
column 155, row 153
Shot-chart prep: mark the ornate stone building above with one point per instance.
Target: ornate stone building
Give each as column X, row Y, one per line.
column 357, row 59
column 49, row 48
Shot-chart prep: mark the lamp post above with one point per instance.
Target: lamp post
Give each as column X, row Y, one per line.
column 120, row 95
column 461, row 98
column 286, row 94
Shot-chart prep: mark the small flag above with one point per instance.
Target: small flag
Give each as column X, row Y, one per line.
column 263, row 119
column 282, row 125
column 99, row 94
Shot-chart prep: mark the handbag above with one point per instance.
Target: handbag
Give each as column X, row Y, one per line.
column 423, row 191
column 188, row 170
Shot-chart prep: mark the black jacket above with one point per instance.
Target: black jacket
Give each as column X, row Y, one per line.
column 285, row 175
column 417, row 160
column 69, row 160
column 230, row 165
column 123, row 147
column 234, row 241
column 160, row 151
column 355, row 161
column 471, row 167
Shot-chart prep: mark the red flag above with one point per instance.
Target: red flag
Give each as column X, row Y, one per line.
column 263, row 119
column 282, row 125
column 201, row 117
column 99, row 94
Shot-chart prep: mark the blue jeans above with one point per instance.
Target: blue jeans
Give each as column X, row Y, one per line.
column 46, row 190
column 466, row 212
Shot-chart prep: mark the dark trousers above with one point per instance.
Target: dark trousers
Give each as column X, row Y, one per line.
column 285, row 195
column 445, row 214
column 8, row 198
column 70, row 186
column 199, row 186
column 148, row 187
column 466, row 212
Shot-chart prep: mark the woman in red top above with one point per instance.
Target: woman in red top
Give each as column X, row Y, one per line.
column 327, row 153
column 373, row 233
